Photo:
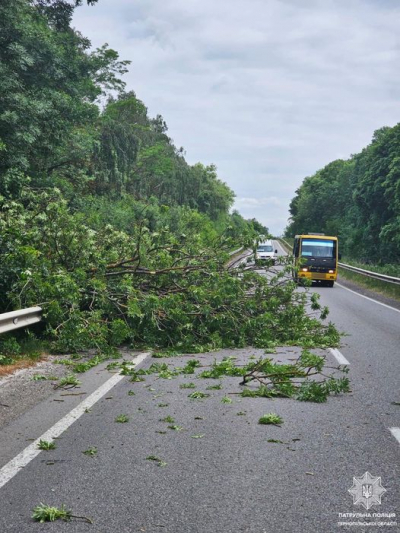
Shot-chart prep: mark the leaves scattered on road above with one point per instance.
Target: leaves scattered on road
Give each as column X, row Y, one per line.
column 46, row 445
column 271, row 418
column 45, row 513
column 122, row 419
column 157, row 460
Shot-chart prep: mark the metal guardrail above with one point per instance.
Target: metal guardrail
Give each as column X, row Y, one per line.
column 370, row 274
column 234, row 263
column 236, row 251
column 19, row 319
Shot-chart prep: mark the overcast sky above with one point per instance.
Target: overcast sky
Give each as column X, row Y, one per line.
column 269, row 91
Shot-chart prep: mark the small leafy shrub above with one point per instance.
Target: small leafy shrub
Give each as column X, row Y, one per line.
column 4, row 360
column 10, row 346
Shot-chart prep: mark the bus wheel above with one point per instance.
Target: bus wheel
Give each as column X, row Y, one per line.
column 330, row 283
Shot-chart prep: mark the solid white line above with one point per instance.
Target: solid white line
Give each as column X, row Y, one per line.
column 396, row 433
column 367, row 298
column 339, row 356
column 21, row 460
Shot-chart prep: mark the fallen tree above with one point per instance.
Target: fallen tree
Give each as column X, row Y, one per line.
column 154, row 287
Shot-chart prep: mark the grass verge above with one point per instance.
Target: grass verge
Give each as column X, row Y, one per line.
column 382, row 287
column 19, row 364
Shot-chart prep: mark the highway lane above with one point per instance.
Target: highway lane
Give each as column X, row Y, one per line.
column 371, row 342
column 231, row 477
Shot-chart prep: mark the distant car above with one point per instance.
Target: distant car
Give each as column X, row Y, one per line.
column 265, row 252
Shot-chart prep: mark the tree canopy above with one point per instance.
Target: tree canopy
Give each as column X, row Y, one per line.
column 357, row 199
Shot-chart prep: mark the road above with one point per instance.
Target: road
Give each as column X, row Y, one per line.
column 223, row 473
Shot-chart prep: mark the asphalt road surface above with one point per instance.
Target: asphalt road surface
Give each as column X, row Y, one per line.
column 214, row 468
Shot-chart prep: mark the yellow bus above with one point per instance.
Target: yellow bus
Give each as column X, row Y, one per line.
column 316, row 258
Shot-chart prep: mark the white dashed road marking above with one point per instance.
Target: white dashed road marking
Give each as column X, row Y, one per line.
column 339, row 356
column 396, row 433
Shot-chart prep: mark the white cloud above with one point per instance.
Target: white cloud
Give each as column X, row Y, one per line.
column 268, row 90
column 257, row 202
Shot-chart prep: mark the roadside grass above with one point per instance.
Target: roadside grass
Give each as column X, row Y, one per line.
column 382, row 287
column 23, row 350
column 388, row 270
column 17, row 355
column 19, row 363
column 287, row 244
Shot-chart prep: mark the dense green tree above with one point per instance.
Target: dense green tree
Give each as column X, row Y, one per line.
column 49, row 83
column 259, row 228
column 321, row 202
column 376, row 187
column 135, row 155
column 59, row 12
column 358, row 200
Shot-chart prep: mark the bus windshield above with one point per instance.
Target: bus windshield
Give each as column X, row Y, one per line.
column 318, row 248
column 265, row 249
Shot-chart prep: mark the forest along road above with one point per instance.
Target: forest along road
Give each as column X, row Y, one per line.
column 213, row 467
